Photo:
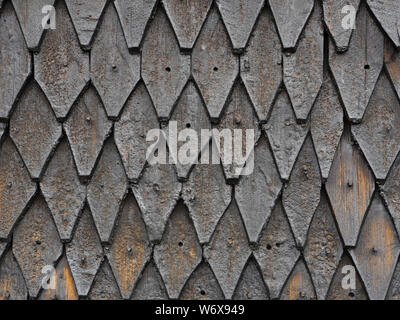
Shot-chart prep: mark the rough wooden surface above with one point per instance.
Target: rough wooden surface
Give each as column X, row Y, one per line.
column 317, row 218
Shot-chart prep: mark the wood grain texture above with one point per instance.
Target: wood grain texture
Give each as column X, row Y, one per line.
column 85, row 16
column 239, row 17
column 84, row 253
column 150, row 285
column 64, row 193
column 106, row 190
column 256, row 193
column 179, row 251
column 134, row 16
column 104, row 286
column 326, row 125
column 34, row 129
column 285, row 135
column 261, row 65
column 36, row 244
column 301, row 195
column 238, row 115
column 291, row 17
column 323, row 249
column 377, row 251
column 214, row 66
column 251, row 286
column 356, row 71
column 30, row 19
column 130, row 131
column 303, row 69
column 189, row 113
column 165, row 70
column 61, row 67
column 336, row 291
column 114, row 71
column 207, row 196
column 387, row 13
column 276, row 253
column 334, row 17
column 157, row 193
column 16, row 189
column 86, row 128
column 64, row 284
column 202, row 285
column 15, row 60
column 299, row 285
column 378, row 135
column 12, row 282
column 187, row 18
column 228, row 250
column 350, row 187
column 130, row 250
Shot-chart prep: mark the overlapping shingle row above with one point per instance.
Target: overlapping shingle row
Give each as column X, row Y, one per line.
column 76, row 193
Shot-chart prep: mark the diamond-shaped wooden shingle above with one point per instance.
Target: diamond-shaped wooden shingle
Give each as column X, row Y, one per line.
column 291, row 17
column 189, row 113
column 106, row 190
column 261, row 65
column 214, row 66
column 239, row 17
column 392, row 63
column 187, row 18
column 87, row 127
column 350, row 186
column 134, row 16
column 157, row 193
column 30, row 17
column 301, row 196
column 379, row 133
column 15, row 59
column 104, row 285
column 62, row 190
column 390, row 192
column 377, row 250
column 137, row 119
column 387, row 12
column 130, row 249
column 238, row 116
column 84, row 253
column 356, row 70
column 36, row 244
column 303, row 69
column 207, row 196
column 64, row 284
column 299, row 285
column 150, row 285
column 85, row 16
column 323, row 249
column 251, row 286
column 165, row 70
column 276, row 252
column 326, row 125
column 285, row 135
column 12, row 283
column 202, row 285
column 335, row 15
column 229, row 237
column 256, row 193
column 336, row 291
column 179, row 251
column 63, row 72
column 114, row 71
column 16, row 187
column 34, row 129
